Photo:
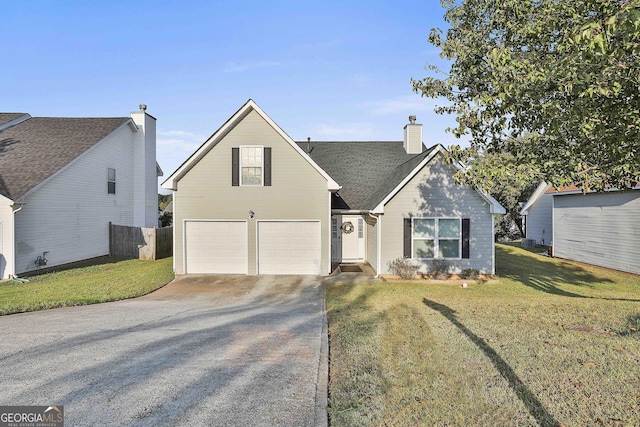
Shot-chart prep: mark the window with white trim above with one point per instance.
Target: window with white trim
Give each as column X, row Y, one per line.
column 111, row 181
column 436, row 238
column 251, row 165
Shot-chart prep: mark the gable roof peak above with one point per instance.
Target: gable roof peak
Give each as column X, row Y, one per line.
column 171, row 182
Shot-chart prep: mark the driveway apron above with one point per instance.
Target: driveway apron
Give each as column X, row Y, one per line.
column 202, row 351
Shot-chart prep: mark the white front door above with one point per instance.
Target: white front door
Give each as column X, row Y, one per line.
column 352, row 233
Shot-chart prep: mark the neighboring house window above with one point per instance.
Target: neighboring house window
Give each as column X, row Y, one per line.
column 111, row 181
column 251, row 166
column 436, row 238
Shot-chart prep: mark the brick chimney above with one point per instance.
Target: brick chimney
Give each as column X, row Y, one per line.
column 413, row 137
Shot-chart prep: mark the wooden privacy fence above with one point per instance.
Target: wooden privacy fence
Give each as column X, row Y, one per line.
column 138, row 242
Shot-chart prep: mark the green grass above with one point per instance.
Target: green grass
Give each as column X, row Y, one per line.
column 106, row 281
column 551, row 343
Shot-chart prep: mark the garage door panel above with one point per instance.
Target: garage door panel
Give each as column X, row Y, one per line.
column 289, row 247
column 216, row 247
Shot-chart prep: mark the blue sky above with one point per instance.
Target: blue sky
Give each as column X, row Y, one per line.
column 327, row 70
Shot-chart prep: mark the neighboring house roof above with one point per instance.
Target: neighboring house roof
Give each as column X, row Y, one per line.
column 212, row 141
column 36, row 148
column 544, row 188
column 10, row 119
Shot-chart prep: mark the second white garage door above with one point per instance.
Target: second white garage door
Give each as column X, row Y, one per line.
column 289, row 247
column 215, row 247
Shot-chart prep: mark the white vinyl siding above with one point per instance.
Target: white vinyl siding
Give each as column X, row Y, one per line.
column 69, row 215
column 6, row 238
column 539, row 221
column 144, row 179
column 111, row 181
column 600, row 229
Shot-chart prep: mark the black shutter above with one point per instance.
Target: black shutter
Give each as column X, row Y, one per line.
column 267, row 166
column 407, row 238
column 235, row 167
column 466, row 222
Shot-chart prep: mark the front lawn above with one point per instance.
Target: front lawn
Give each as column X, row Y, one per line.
column 109, row 280
column 553, row 343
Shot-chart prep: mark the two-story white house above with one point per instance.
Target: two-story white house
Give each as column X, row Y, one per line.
column 62, row 180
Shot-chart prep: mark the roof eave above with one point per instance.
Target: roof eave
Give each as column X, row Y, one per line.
column 539, row 192
column 379, row 208
column 494, row 206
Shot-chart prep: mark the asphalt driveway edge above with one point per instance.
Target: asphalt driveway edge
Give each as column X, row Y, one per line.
column 322, row 384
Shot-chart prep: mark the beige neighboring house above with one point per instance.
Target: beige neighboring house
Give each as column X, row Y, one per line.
column 62, row 180
column 251, row 201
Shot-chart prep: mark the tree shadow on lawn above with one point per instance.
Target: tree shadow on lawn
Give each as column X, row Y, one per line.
column 526, row 396
column 543, row 274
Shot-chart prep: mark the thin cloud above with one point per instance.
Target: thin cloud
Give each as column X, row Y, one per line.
column 239, row 68
column 174, row 146
column 400, row 104
column 345, row 132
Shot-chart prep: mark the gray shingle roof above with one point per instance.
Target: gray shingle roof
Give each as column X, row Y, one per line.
column 38, row 147
column 367, row 171
column 7, row 117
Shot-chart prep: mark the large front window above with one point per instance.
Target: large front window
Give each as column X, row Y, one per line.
column 251, row 166
column 436, row 238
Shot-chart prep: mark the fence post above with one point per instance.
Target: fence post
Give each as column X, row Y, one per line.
column 155, row 243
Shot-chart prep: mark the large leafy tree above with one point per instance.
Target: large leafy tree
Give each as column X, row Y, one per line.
column 555, row 83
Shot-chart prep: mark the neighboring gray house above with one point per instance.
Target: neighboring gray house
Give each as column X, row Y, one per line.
column 537, row 215
column 62, row 180
column 595, row 228
column 251, row 200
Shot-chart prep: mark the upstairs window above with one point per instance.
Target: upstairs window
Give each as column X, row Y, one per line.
column 251, row 166
column 111, row 181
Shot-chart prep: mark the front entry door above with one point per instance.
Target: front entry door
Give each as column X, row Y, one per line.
column 352, row 233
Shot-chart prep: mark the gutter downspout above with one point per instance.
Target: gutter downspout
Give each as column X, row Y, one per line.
column 378, row 219
column 15, row 207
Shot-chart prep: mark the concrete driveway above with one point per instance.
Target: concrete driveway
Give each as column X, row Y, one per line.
column 202, row 351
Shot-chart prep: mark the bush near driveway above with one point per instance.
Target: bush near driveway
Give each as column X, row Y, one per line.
column 552, row 343
column 109, row 280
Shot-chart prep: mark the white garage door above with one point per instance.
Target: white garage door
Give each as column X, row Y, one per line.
column 215, row 247
column 289, row 247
